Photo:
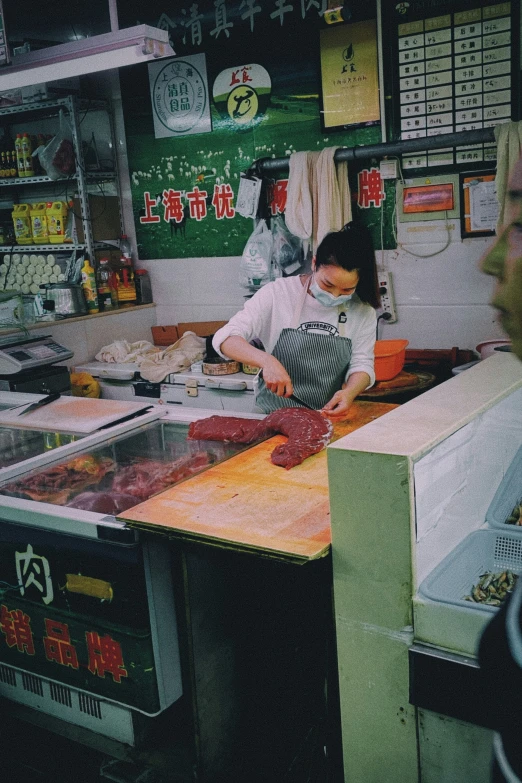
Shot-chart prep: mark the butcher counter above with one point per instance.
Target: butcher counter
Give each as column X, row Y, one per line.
column 258, row 630
column 249, row 550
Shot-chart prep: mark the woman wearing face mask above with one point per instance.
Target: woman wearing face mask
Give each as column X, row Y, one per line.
column 318, row 330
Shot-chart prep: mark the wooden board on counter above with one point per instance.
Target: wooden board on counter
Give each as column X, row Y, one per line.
column 248, row 503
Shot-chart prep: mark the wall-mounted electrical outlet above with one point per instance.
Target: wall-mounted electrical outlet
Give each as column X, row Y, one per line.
column 387, row 299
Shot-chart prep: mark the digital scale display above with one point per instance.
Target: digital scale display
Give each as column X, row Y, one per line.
column 28, row 354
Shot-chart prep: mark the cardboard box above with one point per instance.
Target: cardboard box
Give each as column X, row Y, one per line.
column 201, row 328
column 10, row 98
column 48, row 90
column 105, row 218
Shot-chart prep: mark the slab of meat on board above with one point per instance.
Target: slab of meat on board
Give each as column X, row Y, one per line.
column 307, row 431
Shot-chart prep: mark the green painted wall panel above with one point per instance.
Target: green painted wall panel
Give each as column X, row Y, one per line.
column 370, row 511
column 378, row 723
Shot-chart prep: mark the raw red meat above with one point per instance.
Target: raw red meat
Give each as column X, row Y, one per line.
column 145, row 478
column 103, row 502
column 308, row 432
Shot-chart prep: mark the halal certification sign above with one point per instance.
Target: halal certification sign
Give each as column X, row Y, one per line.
column 180, row 97
column 242, row 94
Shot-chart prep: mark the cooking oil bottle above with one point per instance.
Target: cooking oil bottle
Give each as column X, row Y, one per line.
column 89, row 288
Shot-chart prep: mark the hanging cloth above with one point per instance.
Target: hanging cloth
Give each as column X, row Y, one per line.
column 333, row 204
column 316, row 363
column 508, row 136
column 298, row 212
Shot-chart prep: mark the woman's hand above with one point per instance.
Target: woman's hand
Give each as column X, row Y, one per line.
column 338, row 406
column 276, row 377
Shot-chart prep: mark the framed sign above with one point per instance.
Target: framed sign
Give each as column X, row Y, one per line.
column 349, row 75
column 479, row 205
column 179, row 96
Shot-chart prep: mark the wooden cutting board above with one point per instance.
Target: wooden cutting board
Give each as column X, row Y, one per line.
column 71, row 414
column 248, row 503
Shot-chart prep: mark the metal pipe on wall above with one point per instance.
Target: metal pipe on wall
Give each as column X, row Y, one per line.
column 402, row 147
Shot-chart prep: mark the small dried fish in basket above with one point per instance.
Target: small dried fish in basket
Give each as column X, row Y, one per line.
column 515, row 518
column 492, row 588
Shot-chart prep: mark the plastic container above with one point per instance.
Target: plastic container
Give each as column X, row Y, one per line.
column 39, row 223
column 89, row 288
column 462, row 367
column 21, row 215
column 56, row 212
column 507, row 496
column 143, row 287
column 488, row 347
column 390, row 356
column 107, row 293
column 480, row 552
column 126, row 284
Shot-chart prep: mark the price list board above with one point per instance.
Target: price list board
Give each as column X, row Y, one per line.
column 455, row 68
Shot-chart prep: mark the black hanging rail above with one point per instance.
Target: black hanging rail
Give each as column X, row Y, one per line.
column 363, row 152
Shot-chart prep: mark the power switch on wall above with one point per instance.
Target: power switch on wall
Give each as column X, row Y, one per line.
column 387, row 300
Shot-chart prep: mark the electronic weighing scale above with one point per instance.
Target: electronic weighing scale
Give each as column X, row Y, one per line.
column 28, row 365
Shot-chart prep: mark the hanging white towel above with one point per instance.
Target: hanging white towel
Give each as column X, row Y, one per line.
column 298, row 213
column 333, row 197
column 508, row 136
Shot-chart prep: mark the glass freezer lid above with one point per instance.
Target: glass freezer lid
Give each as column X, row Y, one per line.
column 17, row 445
column 122, row 471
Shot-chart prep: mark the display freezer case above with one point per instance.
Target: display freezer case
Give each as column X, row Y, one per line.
column 409, row 492
column 87, row 625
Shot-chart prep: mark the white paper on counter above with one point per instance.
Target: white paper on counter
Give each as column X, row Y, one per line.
column 71, row 414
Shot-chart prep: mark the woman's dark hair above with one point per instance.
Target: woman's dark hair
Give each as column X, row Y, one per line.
column 352, row 250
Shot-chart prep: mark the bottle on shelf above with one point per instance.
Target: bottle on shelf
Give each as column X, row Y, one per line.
column 126, row 284
column 4, row 172
column 19, row 155
column 21, row 215
column 107, row 286
column 89, row 288
column 27, row 150
column 56, row 212
column 125, row 246
column 13, row 169
column 143, row 287
column 39, row 223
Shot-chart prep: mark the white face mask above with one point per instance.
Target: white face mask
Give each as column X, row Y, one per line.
column 326, row 298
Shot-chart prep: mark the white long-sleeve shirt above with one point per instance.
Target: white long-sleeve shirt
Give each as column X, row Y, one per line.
column 271, row 309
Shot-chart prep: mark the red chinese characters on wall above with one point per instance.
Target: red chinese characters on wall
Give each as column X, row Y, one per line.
column 277, row 193
column 371, row 188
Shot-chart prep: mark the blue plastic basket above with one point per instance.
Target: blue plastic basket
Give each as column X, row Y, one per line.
column 507, row 496
column 480, row 552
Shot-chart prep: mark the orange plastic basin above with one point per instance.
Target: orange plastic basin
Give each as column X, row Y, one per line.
column 389, row 358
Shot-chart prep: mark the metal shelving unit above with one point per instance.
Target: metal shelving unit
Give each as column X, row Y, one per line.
column 74, row 107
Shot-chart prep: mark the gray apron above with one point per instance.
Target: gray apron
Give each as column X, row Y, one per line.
column 316, row 363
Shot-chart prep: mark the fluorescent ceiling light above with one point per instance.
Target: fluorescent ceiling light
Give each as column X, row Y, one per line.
column 99, row 53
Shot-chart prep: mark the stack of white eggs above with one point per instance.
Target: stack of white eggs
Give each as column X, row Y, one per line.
column 26, row 273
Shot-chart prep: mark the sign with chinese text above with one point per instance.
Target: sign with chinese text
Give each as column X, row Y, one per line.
column 241, row 94
column 350, row 75
column 453, row 72
column 480, row 207
column 179, row 95
column 77, row 612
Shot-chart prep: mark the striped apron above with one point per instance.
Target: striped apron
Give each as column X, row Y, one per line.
column 316, row 363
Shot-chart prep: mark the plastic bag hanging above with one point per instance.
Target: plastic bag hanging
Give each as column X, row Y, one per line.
column 287, row 249
column 57, row 158
column 255, row 269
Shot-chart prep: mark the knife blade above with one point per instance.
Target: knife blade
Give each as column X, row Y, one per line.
column 44, row 401
column 129, row 416
column 293, row 397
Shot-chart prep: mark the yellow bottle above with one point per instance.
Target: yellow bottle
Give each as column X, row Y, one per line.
column 21, row 215
column 89, row 287
column 39, row 223
column 56, row 212
column 19, row 155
